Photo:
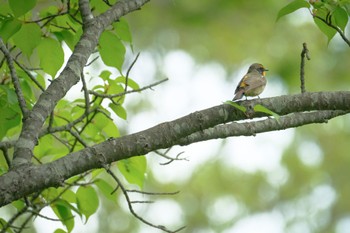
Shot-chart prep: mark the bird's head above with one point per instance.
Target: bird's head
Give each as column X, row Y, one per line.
column 257, row 67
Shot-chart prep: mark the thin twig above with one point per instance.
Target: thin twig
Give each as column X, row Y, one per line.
column 164, row 155
column 304, row 53
column 14, row 217
column 128, row 71
column 15, row 80
column 329, row 23
column 30, row 75
column 131, row 209
column 153, row 193
column 86, row 95
column 128, row 92
column 25, row 222
column 43, row 216
column 92, row 61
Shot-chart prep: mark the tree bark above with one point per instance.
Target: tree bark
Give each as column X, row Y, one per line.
column 308, row 107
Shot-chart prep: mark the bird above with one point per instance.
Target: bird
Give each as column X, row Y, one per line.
column 253, row 83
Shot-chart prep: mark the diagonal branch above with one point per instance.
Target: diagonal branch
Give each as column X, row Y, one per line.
column 69, row 77
column 15, row 79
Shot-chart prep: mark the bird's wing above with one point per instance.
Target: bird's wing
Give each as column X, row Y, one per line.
column 253, row 81
column 242, row 84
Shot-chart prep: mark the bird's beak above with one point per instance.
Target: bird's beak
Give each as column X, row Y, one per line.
column 266, row 69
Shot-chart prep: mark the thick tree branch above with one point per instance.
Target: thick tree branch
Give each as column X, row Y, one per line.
column 68, row 78
column 18, row 183
column 252, row 128
column 85, row 11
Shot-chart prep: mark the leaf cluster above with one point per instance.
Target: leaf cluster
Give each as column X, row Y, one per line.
column 330, row 16
column 34, row 37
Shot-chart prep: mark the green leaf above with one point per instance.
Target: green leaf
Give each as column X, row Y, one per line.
column 5, row 8
column 69, row 196
column 234, row 104
column 63, row 211
column 41, row 80
column 20, row 7
column 8, row 27
column 133, row 169
column 328, row 31
column 260, row 108
column 112, row 50
column 10, row 116
column 56, row 150
column 340, row 17
column 291, row 7
column 59, row 231
column 114, row 87
column 119, row 110
column 123, row 31
column 105, row 74
column 110, row 130
column 51, row 56
column 98, row 7
column 19, row 204
column 69, row 37
column 31, row 31
column 106, row 189
column 131, row 83
column 87, row 200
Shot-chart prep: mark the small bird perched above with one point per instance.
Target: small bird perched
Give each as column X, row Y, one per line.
column 253, row 83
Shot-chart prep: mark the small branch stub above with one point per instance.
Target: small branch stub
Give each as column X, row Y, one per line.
column 304, row 53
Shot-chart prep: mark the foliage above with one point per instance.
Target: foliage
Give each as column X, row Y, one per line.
column 35, row 37
column 329, row 16
column 38, row 60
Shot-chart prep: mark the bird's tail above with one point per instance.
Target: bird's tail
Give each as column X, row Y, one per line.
column 238, row 95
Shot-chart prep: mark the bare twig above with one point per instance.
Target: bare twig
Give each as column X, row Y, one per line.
column 153, row 193
column 25, row 222
column 26, row 70
column 13, row 219
column 127, row 79
column 128, row 71
column 127, row 92
column 131, row 209
column 171, row 159
column 304, row 53
column 43, row 216
column 86, row 95
column 92, row 61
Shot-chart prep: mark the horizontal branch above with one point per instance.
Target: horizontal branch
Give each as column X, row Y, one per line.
column 21, row 182
column 254, row 127
column 110, row 96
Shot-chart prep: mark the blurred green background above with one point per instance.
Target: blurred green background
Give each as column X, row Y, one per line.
column 309, row 191
column 303, row 182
